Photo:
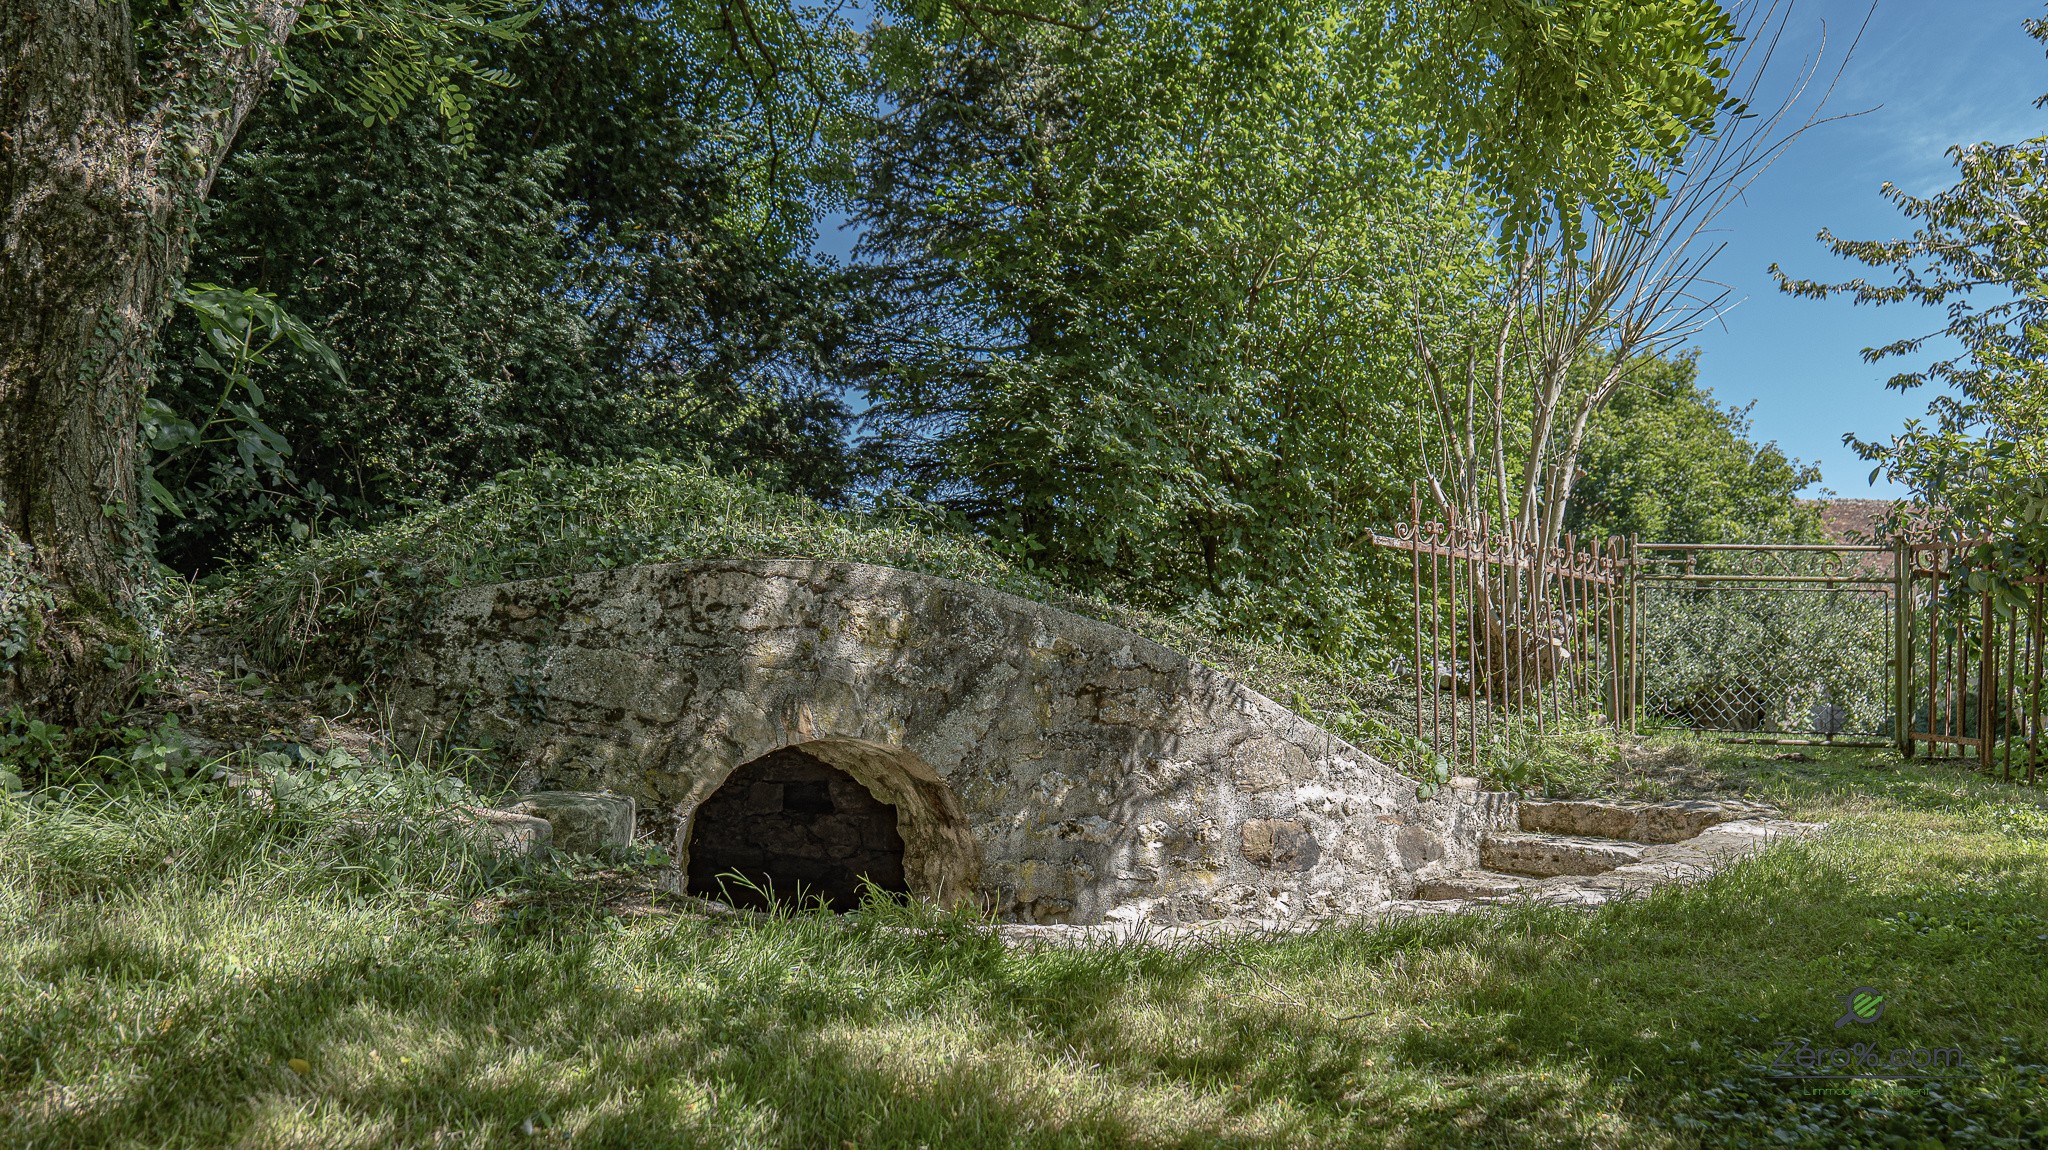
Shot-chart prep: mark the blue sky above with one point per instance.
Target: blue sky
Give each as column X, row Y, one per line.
column 1926, row 74
column 1934, row 73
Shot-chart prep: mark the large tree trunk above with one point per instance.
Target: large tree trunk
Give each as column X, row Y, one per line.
column 103, row 166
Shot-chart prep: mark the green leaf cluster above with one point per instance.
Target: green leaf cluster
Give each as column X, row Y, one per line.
column 593, row 272
column 407, row 54
column 1667, row 462
column 1159, row 266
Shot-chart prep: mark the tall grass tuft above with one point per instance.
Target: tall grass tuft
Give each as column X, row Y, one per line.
column 342, row 827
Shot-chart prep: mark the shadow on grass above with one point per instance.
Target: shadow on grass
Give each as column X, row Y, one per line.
column 501, row 1037
column 153, row 1018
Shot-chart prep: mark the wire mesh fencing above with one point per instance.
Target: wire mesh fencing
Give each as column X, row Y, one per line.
column 1789, row 641
column 1934, row 647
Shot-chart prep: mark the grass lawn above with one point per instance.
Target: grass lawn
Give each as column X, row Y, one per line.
column 197, row 972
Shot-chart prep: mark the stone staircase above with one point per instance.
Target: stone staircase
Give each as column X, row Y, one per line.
column 1575, row 853
column 1589, row 852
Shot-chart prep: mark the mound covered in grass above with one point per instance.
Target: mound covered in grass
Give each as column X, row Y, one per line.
column 349, row 604
column 342, row 599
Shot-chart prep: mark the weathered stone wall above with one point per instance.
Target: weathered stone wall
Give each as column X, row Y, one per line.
column 1054, row 767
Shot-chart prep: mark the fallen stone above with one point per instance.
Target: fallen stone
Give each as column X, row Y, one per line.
column 583, row 822
column 510, row 833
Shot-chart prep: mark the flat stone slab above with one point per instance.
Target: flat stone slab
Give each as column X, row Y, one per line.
column 1475, row 884
column 1664, row 864
column 1544, row 855
column 1667, row 822
column 583, row 822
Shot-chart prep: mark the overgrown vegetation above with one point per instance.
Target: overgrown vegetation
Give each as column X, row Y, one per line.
column 204, row 971
column 601, row 265
column 348, row 603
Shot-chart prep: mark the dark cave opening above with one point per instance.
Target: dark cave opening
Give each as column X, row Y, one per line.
column 799, row 829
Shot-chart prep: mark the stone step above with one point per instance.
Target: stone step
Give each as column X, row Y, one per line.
column 1544, row 855
column 1474, row 884
column 1669, row 822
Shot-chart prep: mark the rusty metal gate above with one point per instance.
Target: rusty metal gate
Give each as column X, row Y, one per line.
column 1770, row 642
column 1934, row 647
column 1512, row 640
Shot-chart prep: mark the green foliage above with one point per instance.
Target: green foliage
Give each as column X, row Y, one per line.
column 1979, row 463
column 1602, row 94
column 29, row 747
column 154, row 758
column 1197, row 393
column 690, row 203
column 1766, row 660
column 551, row 520
column 410, row 53
column 335, row 824
column 1183, row 388
column 1160, row 265
column 25, row 601
column 237, row 331
column 1664, row 461
column 339, row 783
column 430, row 274
column 589, row 273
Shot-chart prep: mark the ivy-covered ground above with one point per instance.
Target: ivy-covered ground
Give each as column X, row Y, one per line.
column 326, row 969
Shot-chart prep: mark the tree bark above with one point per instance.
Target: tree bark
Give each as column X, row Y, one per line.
column 104, row 162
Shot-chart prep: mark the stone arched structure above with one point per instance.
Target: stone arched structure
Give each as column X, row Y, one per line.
column 1046, row 765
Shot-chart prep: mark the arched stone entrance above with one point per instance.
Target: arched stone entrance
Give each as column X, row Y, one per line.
column 794, row 828
column 1045, row 766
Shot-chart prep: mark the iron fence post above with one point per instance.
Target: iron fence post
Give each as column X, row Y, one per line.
column 1415, row 567
column 1902, row 643
column 1987, row 681
column 1635, row 634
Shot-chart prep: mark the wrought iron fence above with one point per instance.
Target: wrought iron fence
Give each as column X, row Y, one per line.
column 1977, row 686
column 1508, row 635
column 1917, row 644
